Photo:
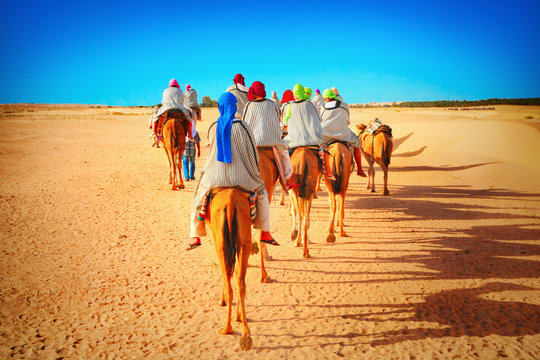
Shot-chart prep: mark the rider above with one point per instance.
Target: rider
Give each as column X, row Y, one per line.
column 335, row 120
column 263, row 117
column 239, row 90
column 232, row 162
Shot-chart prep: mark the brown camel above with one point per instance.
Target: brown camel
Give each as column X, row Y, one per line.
column 230, row 222
column 174, row 126
column 306, row 168
column 377, row 148
column 270, row 175
column 341, row 166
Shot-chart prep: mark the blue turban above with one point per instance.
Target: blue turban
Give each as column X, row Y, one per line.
column 227, row 109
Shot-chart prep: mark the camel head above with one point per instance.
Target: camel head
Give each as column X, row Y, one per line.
column 361, row 127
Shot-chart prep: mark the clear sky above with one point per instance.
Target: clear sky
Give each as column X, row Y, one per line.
column 125, row 52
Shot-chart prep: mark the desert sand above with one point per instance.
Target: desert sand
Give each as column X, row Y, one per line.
column 93, row 261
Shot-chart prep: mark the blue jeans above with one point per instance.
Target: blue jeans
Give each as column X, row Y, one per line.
column 189, row 166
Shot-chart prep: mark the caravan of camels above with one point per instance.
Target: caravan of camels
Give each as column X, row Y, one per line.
column 254, row 144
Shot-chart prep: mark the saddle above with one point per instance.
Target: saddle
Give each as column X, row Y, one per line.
column 171, row 114
column 316, row 150
column 383, row 129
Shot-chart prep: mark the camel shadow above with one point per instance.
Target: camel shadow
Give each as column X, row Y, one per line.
column 411, row 153
column 397, row 142
column 438, row 168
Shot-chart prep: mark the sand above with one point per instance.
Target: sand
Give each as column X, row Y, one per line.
column 93, row 261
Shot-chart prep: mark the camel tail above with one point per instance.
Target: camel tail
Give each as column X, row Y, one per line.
column 336, row 185
column 303, row 184
column 229, row 238
column 386, row 153
column 174, row 135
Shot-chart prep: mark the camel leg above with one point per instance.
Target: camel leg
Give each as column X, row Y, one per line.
column 264, row 275
column 170, row 165
column 307, row 207
column 178, row 162
column 330, row 238
column 341, row 209
column 246, row 343
column 227, row 329
column 221, row 301
column 293, row 205
column 372, row 177
column 385, row 177
column 368, row 159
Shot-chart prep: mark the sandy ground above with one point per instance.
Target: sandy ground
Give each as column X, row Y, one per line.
column 93, row 261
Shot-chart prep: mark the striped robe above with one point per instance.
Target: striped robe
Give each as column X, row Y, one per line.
column 335, row 120
column 240, row 91
column 263, row 118
column 242, row 172
column 304, row 126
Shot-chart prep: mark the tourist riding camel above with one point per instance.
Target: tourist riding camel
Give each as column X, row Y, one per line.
column 340, row 98
column 276, row 101
column 303, row 122
column 172, row 98
column 232, row 162
column 318, row 100
column 335, row 120
column 239, row 90
column 192, row 103
column 263, row 117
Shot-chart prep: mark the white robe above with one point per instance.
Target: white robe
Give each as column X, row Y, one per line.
column 335, row 122
column 304, row 126
column 173, row 98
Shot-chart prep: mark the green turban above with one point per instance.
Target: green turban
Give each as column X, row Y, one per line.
column 308, row 92
column 329, row 94
column 299, row 92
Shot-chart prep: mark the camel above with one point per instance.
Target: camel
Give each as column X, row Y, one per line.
column 229, row 217
column 270, row 175
column 174, row 127
column 377, row 148
column 341, row 166
column 306, row 168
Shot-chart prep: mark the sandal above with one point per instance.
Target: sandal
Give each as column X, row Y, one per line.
column 194, row 245
column 270, row 242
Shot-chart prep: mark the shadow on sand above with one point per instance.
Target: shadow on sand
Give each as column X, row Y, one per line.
column 493, row 256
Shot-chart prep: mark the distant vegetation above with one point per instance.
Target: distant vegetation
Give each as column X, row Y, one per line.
column 465, row 103
column 208, row 102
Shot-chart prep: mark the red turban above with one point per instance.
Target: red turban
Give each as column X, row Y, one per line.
column 256, row 90
column 239, row 79
column 287, row 96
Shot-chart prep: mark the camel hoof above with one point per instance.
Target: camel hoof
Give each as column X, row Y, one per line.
column 227, row 330
column 254, row 248
column 299, row 244
column 268, row 257
column 221, row 302
column 315, row 196
column 246, row 343
column 331, row 238
column 173, row 187
column 265, row 280
column 386, row 192
column 373, row 190
column 294, row 235
column 181, row 186
column 306, row 256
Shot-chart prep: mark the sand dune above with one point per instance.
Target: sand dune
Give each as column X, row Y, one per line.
column 92, row 260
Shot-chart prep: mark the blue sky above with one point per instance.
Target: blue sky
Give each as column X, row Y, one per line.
column 125, row 53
